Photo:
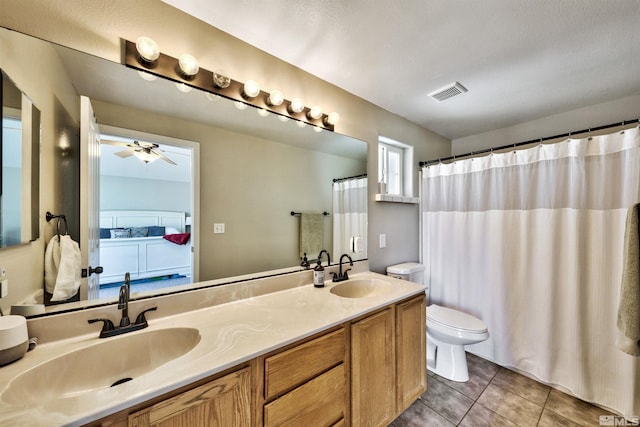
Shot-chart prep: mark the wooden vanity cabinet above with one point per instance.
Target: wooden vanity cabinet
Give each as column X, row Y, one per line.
column 362, row 373
column 388, row 363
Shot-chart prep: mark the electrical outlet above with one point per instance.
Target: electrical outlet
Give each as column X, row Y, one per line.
column 218, row 228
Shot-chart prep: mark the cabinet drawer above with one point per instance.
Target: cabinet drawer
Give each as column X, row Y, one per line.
column 320, row 402
column 293, row 367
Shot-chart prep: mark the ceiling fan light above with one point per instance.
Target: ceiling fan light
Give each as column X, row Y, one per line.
column 146, row 157
column 188, row 65
column 147, row 49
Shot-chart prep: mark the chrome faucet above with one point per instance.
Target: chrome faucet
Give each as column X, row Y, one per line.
column 342, row 276
column 109, row 329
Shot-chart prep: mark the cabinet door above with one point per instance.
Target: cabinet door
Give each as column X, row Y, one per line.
column 373, row 384
column 411, row 371
column 221, row 402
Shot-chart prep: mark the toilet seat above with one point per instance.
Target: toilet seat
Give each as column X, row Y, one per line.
column 455, row 319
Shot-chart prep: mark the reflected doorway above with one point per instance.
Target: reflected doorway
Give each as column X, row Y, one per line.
column 148, row 211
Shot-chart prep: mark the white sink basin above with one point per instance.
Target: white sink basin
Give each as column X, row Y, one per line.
column 361, row 288
column 106, row 364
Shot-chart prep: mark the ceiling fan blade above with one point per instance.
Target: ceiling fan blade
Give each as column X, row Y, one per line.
column 163, row 157
column 124, row 153
column 116, row 143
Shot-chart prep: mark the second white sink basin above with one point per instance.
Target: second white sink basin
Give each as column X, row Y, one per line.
column 362, row 288
column 110, row 362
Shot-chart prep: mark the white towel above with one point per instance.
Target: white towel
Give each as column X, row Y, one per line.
column 62, row 265
column 628, row 339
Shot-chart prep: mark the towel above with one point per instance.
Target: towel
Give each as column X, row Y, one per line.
column 62, row 264
column 310, row 233
column 178, row 238
column 628, row 339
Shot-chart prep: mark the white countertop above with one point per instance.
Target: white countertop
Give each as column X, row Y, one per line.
column 231, row 333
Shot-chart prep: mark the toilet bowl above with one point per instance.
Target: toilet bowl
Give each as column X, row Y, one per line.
column 448, row 331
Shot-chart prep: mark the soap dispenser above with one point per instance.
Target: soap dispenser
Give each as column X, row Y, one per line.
column 318, row 275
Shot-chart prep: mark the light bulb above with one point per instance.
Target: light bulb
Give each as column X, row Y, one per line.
column 212, row 96
column 147, row 76
column 147, row 49
column 332, row 118
column 275, row 98
column 220, row 79
column 183, row 87
column 296, row 105
column 251, row 89
column 188, row 65
column 315, row 112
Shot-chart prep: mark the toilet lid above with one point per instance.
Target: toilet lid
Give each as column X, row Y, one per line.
column 455, row 319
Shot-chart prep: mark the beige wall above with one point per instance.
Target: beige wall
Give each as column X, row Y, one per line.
column 627, row 108
column 96, row 26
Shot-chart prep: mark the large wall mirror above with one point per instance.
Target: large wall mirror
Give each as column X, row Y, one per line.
column 19, row 154
column 255, row 170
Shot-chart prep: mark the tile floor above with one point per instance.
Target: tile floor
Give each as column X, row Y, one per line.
column 495, row 396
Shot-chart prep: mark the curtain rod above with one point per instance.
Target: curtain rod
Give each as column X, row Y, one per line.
column 533, row 141
column 350, row 177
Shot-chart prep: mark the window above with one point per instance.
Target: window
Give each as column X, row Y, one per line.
column 394, row 167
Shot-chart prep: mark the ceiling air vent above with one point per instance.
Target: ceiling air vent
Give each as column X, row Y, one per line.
column 448, row 91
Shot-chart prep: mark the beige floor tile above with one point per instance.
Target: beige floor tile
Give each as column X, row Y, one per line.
column 578, row 411
column 522, row 386
column 446, row 401
column 481, row 367
column 472, row 388
column 420, row 415
column 479, row 416
column 551, row 419
column 511, row 406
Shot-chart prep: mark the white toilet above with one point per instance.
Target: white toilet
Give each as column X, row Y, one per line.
column 448, row 330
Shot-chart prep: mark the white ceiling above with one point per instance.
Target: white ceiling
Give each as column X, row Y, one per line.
column 520, row 59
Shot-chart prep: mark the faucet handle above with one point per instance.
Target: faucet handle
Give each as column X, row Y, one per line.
column 107, row 324
column 141, row 319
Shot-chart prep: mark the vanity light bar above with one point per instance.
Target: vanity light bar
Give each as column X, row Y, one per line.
column 169, row 68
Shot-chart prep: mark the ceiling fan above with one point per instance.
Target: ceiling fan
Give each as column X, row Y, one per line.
column 145, row 151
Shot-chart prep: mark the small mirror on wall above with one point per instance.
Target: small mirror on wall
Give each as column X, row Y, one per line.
column 19, row 157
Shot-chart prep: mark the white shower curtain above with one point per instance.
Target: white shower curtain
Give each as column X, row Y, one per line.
column 531, row 242
column 350, row 218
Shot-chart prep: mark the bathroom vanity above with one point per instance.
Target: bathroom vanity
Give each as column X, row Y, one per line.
column 294, row 356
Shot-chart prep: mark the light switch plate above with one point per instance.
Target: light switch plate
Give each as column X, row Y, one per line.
column 218, row 228
column 383, row 241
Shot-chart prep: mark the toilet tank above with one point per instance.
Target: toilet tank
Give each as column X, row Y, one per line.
column 412, row 271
